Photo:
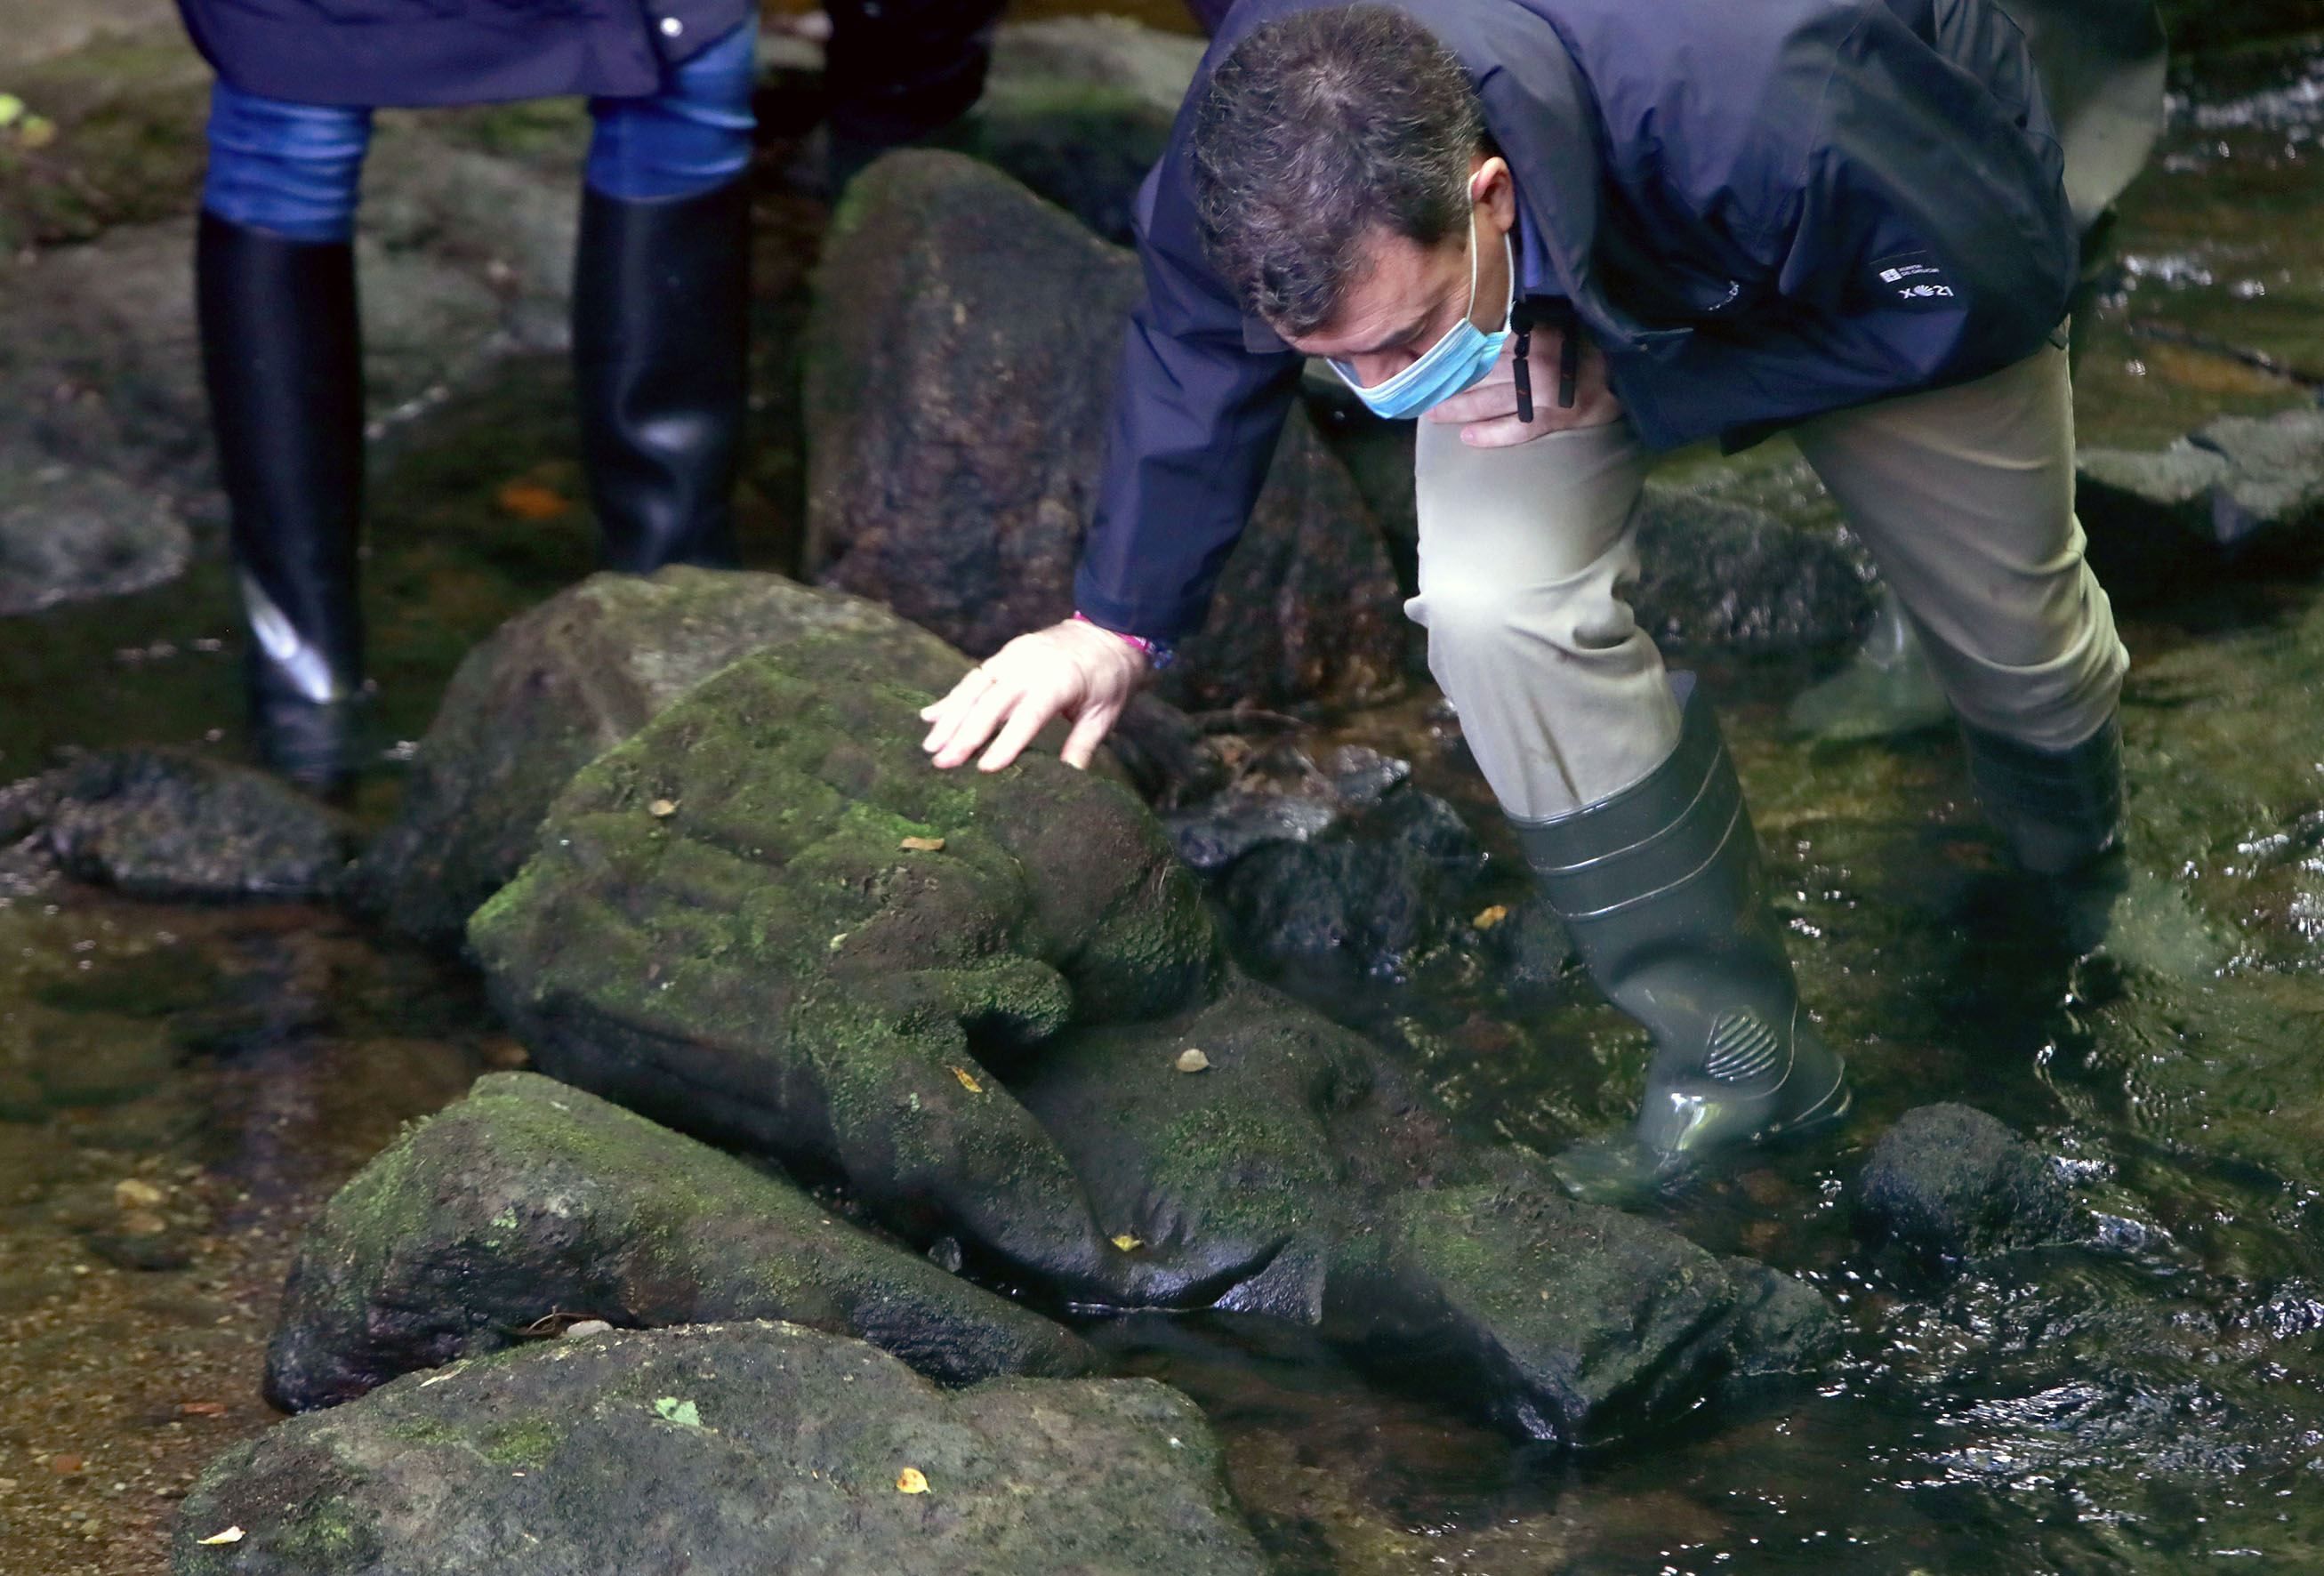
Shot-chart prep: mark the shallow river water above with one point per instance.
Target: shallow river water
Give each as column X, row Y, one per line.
column 2152, row 1401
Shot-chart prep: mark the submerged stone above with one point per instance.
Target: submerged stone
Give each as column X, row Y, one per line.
column 960, row 363
column 1951, row 1182
column 726, row 1450
column 531, row 1201
column 1301, row 1177
column 823, row 948
column 74, row 534
column 559, row 686
column 168, row 824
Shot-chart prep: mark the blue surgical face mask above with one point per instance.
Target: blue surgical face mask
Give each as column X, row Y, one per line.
column 1453, row 364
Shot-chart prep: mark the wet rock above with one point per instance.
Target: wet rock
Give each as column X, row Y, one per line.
column 1300, row 1176
column 69, row 534
column 531, row 1201
column 960, row 367
column 171, row 824
column 1383, row 886
column 1725, row 578
column 2234, row 480
column 718, row 1447
column 558, row 686
column 1079, row 109
column 1949, row 1181
column 1336, row 860
column 822, row 949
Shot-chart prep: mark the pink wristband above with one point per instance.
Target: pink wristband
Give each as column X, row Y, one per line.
column 1155, row 651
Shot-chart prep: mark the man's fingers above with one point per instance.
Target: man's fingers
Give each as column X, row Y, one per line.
column 1090, row 730
column 983, row 716
column 1502, row 432
column 1032, row 714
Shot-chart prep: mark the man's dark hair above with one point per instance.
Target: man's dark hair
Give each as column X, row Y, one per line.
column 1317, row 130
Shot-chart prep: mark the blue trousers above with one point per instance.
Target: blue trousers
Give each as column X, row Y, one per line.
column 296, row 169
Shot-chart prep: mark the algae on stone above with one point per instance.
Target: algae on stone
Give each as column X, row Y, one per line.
column 738, row 1444
column 768, row 963
column 531, row 1200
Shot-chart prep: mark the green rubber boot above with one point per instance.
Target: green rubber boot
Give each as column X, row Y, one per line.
column 2060, row 812
column 1659, row 886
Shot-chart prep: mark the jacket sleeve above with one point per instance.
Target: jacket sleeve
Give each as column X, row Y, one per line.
column 1928, row 242
column 1196, row 414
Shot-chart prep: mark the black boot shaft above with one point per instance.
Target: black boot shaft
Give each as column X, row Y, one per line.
column 282, row 359
column 661, row 353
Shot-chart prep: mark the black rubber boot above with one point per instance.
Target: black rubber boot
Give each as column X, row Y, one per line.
column 2060, row 810
column 282, row 355
column 1659, row 886
column 661, row 305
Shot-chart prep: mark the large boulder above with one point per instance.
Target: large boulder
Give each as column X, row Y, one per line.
column 559, row 686
column 766, row 919
column 530, row 1204
column 2235, row 479
column 960, row 366
column 172, row 824
column 722, row 1450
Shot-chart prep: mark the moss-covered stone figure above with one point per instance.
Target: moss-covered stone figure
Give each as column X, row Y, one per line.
column 532, row 1203
column 749, row 1447
column 558, row 686
column 764, row 919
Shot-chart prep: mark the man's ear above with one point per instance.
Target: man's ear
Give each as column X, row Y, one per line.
column 1494, row 190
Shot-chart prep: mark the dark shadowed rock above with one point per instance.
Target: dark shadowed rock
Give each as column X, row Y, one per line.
column 1300, row 1174
column 531, row 1200
column 1382, row 888
column 1949, row 1181
column 167, row 824
column 555, row 688
column 723, row 1450
column 766, row 919
column 960, row 365
column 1725, row 578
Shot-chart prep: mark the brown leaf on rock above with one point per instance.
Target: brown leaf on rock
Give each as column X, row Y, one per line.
column 1491, row 917
column 967, row 1081
column 911, row 1480
column 1192, row 1060
column 530, row 500
column 922, row 845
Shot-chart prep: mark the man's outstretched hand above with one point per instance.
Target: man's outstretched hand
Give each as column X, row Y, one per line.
column 1072, row 669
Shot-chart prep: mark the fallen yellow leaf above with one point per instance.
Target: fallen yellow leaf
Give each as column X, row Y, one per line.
column 662, row 809
column 967, row 1082
column 531, row 500
column 911, row 1480
column 232, row 1534
column 1491, row 917
column 1192, row 1060
column 1128, row 1243
column 922, row 845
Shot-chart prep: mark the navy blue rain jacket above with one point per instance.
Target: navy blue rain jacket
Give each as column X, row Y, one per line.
column 409, row 53
column 1758, row 211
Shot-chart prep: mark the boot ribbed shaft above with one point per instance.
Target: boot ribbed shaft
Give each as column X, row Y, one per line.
column 1659, row 886
column 2058, row 809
